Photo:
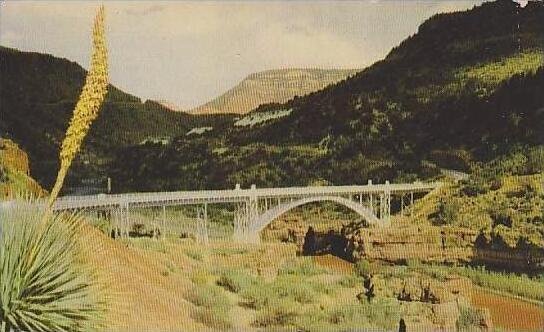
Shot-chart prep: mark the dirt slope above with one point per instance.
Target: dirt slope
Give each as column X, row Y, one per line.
column 144, row 295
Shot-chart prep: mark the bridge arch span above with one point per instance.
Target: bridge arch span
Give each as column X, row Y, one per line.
column 270, row 215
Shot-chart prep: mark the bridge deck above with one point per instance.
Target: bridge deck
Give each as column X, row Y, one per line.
column 229, row 195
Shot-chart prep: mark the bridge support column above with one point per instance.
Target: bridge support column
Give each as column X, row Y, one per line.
column 411, row 203
column 241, row 221
column 163, row 222
column 115, row 221
column 202, row 224
column 124, row 217
column 244, row 215
column 385, row 206
column 237, row 223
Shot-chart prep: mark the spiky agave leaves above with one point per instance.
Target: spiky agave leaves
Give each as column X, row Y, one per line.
column 44, row 285
column 88, row 105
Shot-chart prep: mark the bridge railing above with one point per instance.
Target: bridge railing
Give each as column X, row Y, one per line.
column 230, row 195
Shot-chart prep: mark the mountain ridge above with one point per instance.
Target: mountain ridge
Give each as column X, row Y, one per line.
column 439, row 96
column 272, row 86
column 38, row 93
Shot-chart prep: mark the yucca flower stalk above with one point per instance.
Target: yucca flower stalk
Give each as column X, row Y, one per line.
column 88, row 105
column 44, row 283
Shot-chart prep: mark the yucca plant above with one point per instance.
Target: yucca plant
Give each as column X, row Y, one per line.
column 87, row 107
column 44, row 286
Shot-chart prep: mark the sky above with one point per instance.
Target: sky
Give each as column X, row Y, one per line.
column 188, row 52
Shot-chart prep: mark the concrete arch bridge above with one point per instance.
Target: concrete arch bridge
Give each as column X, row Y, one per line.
column 256, row 207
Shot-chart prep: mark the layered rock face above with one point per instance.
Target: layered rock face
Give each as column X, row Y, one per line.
column 424, row 243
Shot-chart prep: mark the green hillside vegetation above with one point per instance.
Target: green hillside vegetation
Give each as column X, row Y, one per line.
column 38, row 96
column 462, row 90
column 494, row 72
column 466, row 88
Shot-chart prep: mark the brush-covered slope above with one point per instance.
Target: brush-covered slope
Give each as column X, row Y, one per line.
column 272, row 86
column 15, row 177
column 433, row 88
column 37, row 95
column 466, row 87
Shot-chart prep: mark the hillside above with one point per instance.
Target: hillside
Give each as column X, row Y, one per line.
column 15, row 176
column 37, row 95
column 272, row 86
column 467, row 88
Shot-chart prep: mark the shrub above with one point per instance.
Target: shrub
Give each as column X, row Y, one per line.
column 200, row 277
column 349, row 281
column 475, row 186
column 469, row 317
column 383, row 312
column 43, row 284
column 380, row 313
column 230, row 251
column 350, row 315
column 302, row 267
column 501, row 217
column 448, row 212
column 138, row 229
column 294, row 289
column 102, row 224
column 195, row 253
column 413, row 263
column 3, row 174
column 216, row 318
column 236, row 280
column 281, row 313
column 257, row 296
column 452, row 159
column 284, row 288
column 535, row 160
column 363, row 268
column 209, row 297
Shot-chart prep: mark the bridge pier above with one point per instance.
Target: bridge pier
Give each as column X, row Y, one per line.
column 202, row 224
column 385, row 206
column 121, row 216
column 163, row 221
column 244, row 215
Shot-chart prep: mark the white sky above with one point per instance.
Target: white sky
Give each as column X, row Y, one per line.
column 189, row 52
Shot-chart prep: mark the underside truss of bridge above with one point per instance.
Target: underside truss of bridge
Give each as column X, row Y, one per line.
column 256, row 207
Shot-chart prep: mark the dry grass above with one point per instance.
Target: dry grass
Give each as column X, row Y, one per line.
column 178, row 284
